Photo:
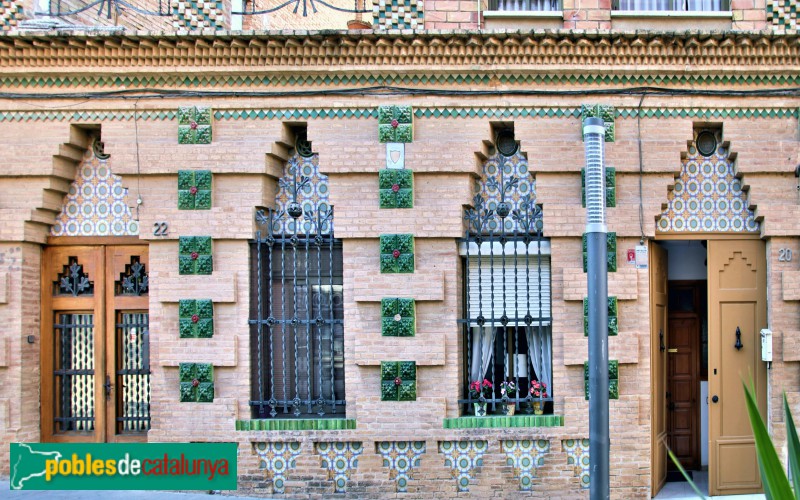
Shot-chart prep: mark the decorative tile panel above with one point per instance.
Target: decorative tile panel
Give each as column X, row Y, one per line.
column 11, row 13
column 400, row 457
column 611, row 242
column 194, row 125
column 194, row 255
column 396, row 188
column 395, row 124
column 277, row 459
column 398, row 14
column 192, row 15
column 604, row 112
column 197, row 382
column 194, row 189
column 397, row 317
column 707, row 197
column 613, row 379
column 398, row 381
column 397, row 253
column 784, row 15
column 463, row 457
column 340, row 460
column 524, row 456
column 96, row 203
column 611, row 187
column 196, row 319
column 613, row 324
column 312, row 196
column 521, row 192
column 577, row 451
column 395, row 155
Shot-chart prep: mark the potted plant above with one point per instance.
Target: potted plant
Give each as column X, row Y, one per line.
column 509, row 389
column 480, row 390
column 538, row 390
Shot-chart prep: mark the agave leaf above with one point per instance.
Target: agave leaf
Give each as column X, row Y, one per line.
column 794, row 446
column 685, row 475
column 775, row 483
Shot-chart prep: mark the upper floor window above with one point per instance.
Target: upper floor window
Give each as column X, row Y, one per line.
column 673, row 5
column 525, row 5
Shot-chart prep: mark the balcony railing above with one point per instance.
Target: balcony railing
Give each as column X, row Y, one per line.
column 673, row 5
column 525, row 5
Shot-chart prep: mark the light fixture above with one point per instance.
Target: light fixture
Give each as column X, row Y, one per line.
column 302, row 146
column 505, row 142
column 706, row 142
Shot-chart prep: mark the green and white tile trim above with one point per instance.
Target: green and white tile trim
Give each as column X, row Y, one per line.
column 371, row 113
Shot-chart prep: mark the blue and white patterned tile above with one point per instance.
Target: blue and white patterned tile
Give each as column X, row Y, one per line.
column 312, row 195
column 707, row 197
column 96, row 203
column 524, row 456
column 577, row 451
column 340, row 460
column 463, row 457
column 400, row 457
column 277, row 459
column 521, row 186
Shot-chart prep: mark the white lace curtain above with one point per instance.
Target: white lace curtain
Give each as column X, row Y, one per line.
column 540, row 351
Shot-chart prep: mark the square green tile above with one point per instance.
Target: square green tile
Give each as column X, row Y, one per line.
column 613, row 323
column 397, row 317
column 611, row 187
column 605, row 113
column 403, row 261
column 403, row 196
column 194, row 125
column 194, row 189
column 196, row 382
column 403, row 371
column 611, row 248
column 196, row 318
column 395, row 124
column 613, row 379
column 194, row 255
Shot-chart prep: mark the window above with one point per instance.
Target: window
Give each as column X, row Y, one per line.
column 674, row 5
column 297, row 335
column 507, row 318
column 525, row 5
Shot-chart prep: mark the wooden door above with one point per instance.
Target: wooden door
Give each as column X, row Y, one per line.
column 95, row 382
column 737, row 283
column 683, row 385
column 658, row 374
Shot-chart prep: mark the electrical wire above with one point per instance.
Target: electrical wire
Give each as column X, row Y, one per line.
column 402, row 91
column 138, row 166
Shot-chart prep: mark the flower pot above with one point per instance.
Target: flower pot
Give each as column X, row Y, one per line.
column 356, row 24
column 537, row 408
column 480, row 409
column 511, row 407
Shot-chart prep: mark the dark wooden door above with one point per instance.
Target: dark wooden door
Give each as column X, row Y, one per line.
column 684, row 386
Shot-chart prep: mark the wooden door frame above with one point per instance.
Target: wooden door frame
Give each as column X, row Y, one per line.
column 100, row 247
column 658, row 455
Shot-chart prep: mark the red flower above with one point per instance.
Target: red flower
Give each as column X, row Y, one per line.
column 195, row 383
column 193, row 189
column 395, row 123
column 396, row 253
column 395, row 187
column 193, row 125
column 195, row 255
column 397, row 381
column 195, row 318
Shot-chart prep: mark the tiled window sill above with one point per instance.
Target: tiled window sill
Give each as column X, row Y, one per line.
column 290, row 424
column 504, row 422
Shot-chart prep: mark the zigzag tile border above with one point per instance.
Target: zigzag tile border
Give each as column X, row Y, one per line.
column 337, row 113
column 391, row 79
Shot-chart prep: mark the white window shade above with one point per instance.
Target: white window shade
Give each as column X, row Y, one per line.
column 521, row 295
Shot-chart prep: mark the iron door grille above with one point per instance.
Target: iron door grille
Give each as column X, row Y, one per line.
column 297, row 331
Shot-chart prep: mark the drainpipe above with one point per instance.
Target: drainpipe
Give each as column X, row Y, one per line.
column 597, row 269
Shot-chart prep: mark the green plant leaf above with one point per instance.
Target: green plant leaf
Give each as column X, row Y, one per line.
column 685, row 475
column 793, row 445
column 775, row 483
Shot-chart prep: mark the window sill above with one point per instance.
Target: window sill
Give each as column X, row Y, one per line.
column 521, row 20
column 666, row 20
column 291, row 424
column 494, row 422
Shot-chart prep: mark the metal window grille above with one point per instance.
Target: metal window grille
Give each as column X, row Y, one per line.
column 74, row 374
column 507, row 320
column 297, row 331
column 133, row 373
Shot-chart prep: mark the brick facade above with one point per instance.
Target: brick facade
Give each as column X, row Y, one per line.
column 247, row 155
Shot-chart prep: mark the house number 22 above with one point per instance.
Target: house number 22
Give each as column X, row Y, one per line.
column 784, row 255
column 160, row 229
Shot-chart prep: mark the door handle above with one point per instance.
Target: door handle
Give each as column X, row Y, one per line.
column 715, row 399
column 673, row 350
column 108, row 386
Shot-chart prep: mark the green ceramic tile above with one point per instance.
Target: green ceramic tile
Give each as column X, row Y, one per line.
column 194, row 189
column 395, row 124
column 194, row 255
column 397, row 317
column 277, row 424
column 396, row 188
column 194, row 125
column 613, row 379
column 494, row 421
column 398, row 381
column 611, row 187
column 397, row 253
column 613, row 324
column 611, row 243
column 606, row 113
column 196, row 318
column 196, row 382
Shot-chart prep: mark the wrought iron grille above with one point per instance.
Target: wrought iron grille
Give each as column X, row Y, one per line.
column 297, row 335
column 507, row 321
column 74, row 374
column 133, row 372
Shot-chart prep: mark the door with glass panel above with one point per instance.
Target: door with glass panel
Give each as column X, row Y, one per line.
column 95, row 344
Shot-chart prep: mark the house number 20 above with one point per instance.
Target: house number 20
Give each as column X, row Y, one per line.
column 784, row 255
column 160, row 229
